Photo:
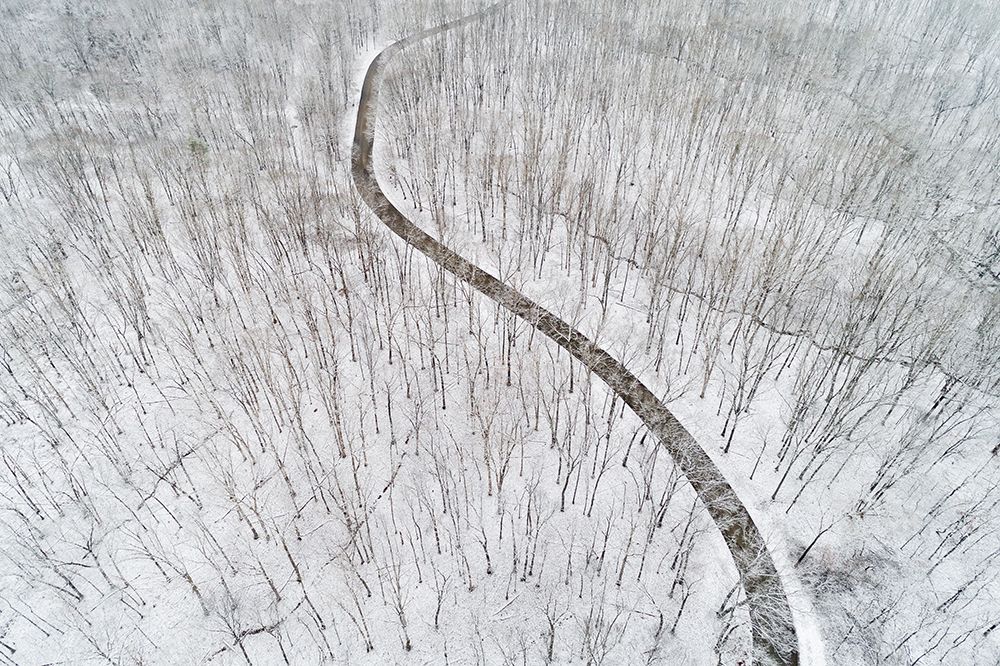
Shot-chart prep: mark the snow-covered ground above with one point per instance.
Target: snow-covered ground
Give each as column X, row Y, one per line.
column 869, row 476
column 241, row 423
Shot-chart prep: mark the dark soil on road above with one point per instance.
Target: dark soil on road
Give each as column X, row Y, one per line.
column 774, row 638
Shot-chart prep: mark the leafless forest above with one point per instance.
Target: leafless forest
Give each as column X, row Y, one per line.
column 242, row 422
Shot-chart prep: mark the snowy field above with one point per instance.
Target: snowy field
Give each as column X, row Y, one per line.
column 242, row 422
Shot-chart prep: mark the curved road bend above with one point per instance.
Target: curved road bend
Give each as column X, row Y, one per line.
column 774, row 637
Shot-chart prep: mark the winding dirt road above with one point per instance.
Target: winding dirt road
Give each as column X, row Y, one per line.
column 774, row 637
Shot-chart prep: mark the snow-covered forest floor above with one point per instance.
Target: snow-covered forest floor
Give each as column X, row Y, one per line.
column 240, row 422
